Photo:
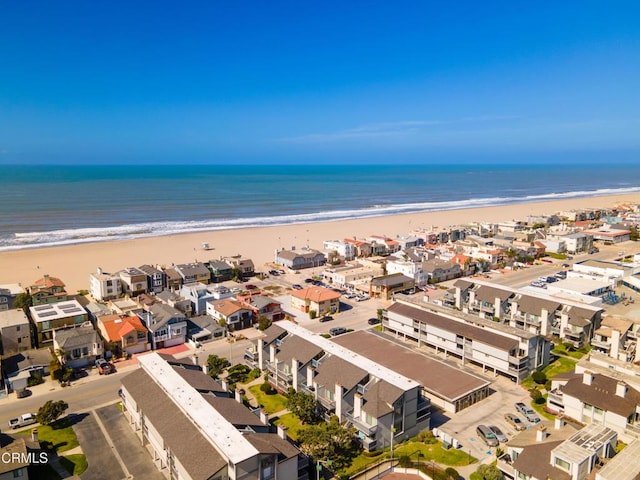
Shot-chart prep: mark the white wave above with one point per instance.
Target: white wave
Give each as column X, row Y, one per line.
column 140, row 230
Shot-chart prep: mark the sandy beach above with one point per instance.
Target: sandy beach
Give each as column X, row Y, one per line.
column 73, row 263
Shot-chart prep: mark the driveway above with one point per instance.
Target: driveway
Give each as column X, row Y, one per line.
column 133, row 454
column 102, row 461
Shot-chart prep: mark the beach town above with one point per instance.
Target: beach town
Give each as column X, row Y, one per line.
column 440, row 345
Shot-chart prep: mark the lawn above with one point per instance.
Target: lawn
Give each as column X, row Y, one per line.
column 451, row 457
column 75, row 464
column 58, row 436
column 560, row 365
column 270, row 403
column 540, row 409
column 577, row 354
column 292, row 422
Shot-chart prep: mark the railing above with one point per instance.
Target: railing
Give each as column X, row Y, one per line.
column 601, row 344
column 368, row 430
column 506, row 467
column 555, row 398
column 633, row 430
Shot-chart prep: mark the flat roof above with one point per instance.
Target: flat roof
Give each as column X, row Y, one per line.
column 375, row 369
column 226, row 438
column 436, row 377
column 584, row 443
column 625, row 465
column 12, row 318
column 55, row 311
column 581, row 285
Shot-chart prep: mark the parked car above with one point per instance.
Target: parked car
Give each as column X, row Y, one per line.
column 335, row 331
column 275, row 273
column 326, row 318
column 250, row 287
column 487, row 436
column 527, row 412
column 514, row 421
column 502, row 438
column 104, row 367
column 308, row 280
column 362, row 298
column 373, row 321
column 296, row 287
column 23, row 420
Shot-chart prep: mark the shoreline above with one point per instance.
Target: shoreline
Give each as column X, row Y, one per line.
column 73, row 263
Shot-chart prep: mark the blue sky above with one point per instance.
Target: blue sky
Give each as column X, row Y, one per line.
column 321, row 82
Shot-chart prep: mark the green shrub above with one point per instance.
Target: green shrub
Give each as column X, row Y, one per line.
column 535, row 394
column 539, row 377
column 267, row 388
column 312, row 314
column 404, row 461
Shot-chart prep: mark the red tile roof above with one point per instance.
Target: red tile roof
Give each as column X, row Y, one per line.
column 316, row 294
column 117, row 326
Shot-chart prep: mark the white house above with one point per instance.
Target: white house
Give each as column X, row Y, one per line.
column 104, row 286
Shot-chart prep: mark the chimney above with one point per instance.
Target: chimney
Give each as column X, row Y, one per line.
column 294, row 373
column 541, row 433
column 264, row 417
column 338, row 399
column 46, row 277
column 194, row 359
column 357, row 405
column 282, row 432
column 238, row 395
column 558, row 423
column 621, row 389
column 34, row 435
column 310, row 371
column 99, row 270
column 587, row 377
column 272, row 353
column 205, row 368
column 224, row 383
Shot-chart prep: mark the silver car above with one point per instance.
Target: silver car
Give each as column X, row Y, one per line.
column 502, row 438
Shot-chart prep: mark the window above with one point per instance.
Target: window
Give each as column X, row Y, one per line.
column 18, row 473
column 17, row 328
column 563, row 464
column 268, row 469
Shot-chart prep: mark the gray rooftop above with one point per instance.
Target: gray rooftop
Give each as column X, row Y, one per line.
column 13, row 318
column 69, row 338
column 333, row 370
column 625, row 465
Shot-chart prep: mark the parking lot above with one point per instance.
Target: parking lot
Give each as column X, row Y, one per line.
column 490, row 411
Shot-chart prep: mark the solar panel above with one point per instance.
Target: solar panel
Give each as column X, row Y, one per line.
column 42, row 307
column 47, row 314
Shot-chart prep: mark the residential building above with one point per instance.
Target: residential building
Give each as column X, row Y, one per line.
column 203, row 329
column 18, row 452
column 617, row 337
column 609, row 235
column 199, row 294
column 235, row 315
column 193, row 272
column 300, row 259
column 56, row 315
column 173, row 279
column 362, row 248
column 262, row 305
column 386, row 285
column 353, row 274
column 220, row 271
column 126, row 332
column 382, row 245
column 78, row 346
column 599, row 399
column 381, row 404
column 319, row 299
column 104, row 286
column 503, row 350
column 578, row 242
column 244, row 264
column 611, row 272
column 8, row 294
column 167, row 326
column 409, row 269
column 409, row 241
column 168, row 297
column 155, row 278
column 535, row 312
column 48, row 290
column 125, row 306
column 346, row 250
column 560, row 452
column 15, row 332
column 441, row 270
column 134, row 281
column 624, row 466
column 195, row 431
column 449, row 388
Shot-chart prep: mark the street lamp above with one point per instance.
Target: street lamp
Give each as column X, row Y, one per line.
column 319, row 464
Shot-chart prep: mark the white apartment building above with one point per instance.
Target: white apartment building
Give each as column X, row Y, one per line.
column 342, row 248
column 104, row 286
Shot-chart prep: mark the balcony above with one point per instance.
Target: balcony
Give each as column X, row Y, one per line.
column 368, row 430
column 555, row 397
column 602, row 345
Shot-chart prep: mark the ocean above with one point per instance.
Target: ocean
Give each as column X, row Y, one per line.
column 59, row 205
